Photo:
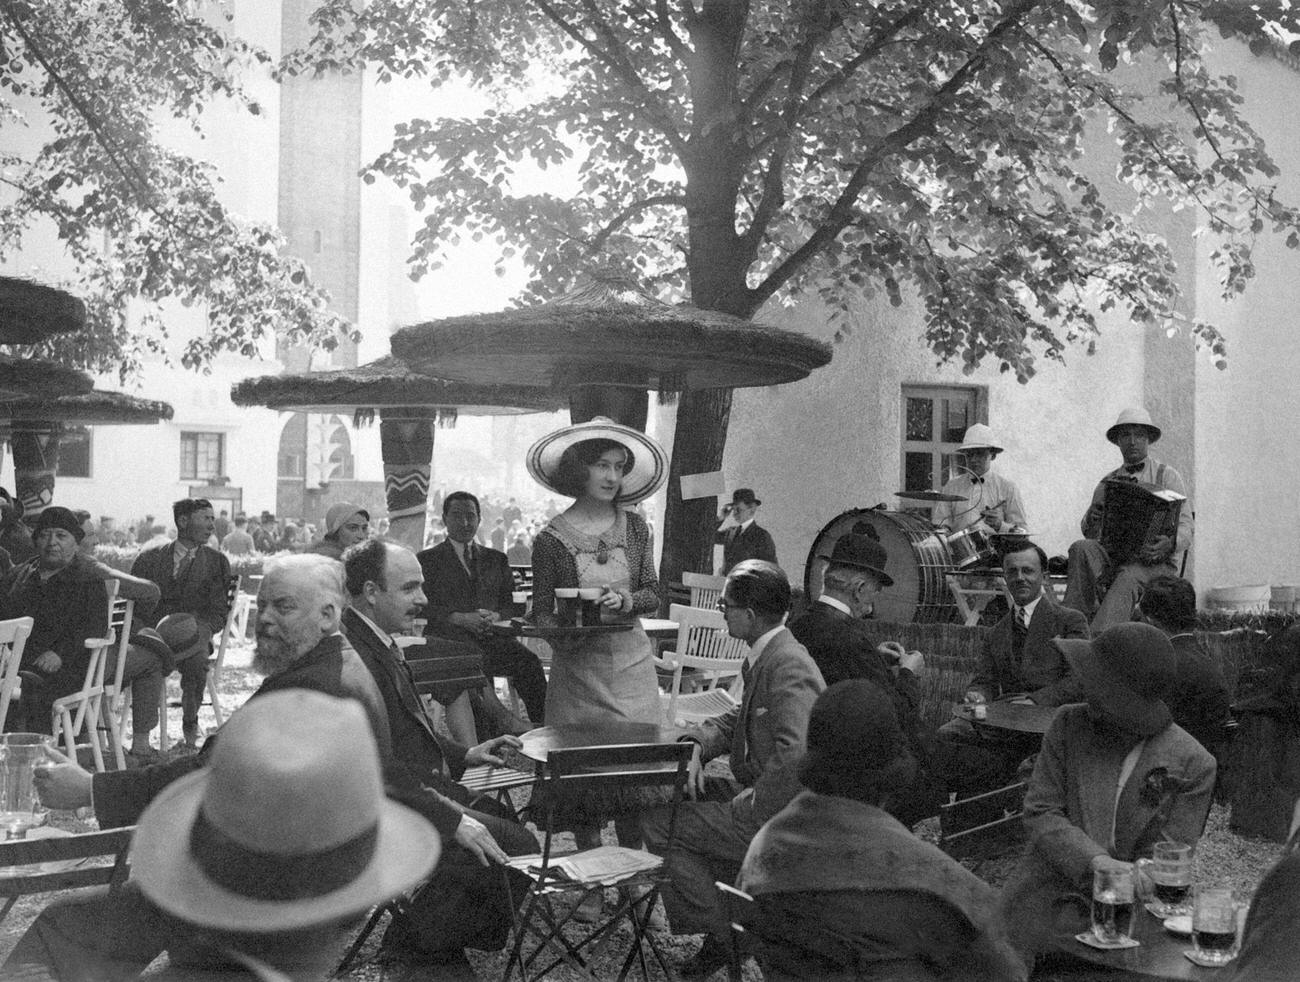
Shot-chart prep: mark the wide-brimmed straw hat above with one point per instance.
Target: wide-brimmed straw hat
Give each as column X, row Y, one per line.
column 1126, row 672
column 287, row 828
column 979, row 437
column 861, row 552
column 1134, row 417
column 649, row 468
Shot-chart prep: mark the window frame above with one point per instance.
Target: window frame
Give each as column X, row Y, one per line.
column 196, row 437
column 978, row 398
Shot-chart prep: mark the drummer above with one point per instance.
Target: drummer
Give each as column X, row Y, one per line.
column 989, row 502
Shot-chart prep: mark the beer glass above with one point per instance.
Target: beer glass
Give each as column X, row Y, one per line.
column 20, row 806
column 1112, row 904
column 1170, row 869
column 566, row 606
column 1214, row 924
column 589, row 606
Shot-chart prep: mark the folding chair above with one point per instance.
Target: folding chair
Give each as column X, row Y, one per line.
column 13, row 638
column 64, row 863
column 713, row 659
column 983, row 825
column 706, row 589
column 118, row 699
column 573, row 772
column 80, row 711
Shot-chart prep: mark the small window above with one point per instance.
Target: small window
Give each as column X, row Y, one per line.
column 74, row 452
column 934, row 421
column 202, row 456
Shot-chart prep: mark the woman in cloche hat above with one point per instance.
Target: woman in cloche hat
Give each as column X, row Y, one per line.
column 597, row 543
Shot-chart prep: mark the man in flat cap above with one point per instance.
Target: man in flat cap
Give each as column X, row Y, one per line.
column 746, row 539
column 1102, row 589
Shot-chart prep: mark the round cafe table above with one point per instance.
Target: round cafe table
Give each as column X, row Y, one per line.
column 1013, row 717
column 539, row 742
column 1159, row 955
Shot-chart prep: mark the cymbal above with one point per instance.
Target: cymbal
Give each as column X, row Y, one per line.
column 930, row 496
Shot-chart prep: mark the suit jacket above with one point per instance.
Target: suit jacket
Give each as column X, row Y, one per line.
column 766, row 734
column 1070, row 800
column 201, row 591
column 751, row 543
column 450, row 590
column 1042, row 670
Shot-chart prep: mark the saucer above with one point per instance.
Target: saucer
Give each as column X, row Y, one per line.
column 1088, row 938
column 1180, row 925
column 1191, row 955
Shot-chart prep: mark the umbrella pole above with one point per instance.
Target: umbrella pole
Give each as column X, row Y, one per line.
column 35, row 448
column 407, row 448
column 628, row 406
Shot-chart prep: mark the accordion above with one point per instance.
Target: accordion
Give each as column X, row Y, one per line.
column 1135, row 514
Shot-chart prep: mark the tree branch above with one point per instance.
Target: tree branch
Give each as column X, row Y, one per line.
column 635, row 208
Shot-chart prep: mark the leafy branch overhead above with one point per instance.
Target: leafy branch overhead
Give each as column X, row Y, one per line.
column 743, row 151
column 141, row 223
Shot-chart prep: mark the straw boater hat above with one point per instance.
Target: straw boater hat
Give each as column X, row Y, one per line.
column 861, row 552
column 1134, row 417
column 1126, row 672
column 979, row 437
column 287, row 828
column 649, row 468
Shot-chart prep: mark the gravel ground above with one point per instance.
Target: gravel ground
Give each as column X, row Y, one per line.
column 1221, row 853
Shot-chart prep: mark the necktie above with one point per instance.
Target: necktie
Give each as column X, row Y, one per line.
column 1022, row 618
column 183, row 567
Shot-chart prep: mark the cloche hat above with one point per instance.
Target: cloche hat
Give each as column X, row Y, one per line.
column 649, row 468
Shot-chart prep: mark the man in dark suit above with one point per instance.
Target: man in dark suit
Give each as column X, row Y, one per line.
column 464, row 903
column 194, row 579
column 764, row 736
column 844, row 647
column 470, row 586
column 746, row 539
column 1018, row 662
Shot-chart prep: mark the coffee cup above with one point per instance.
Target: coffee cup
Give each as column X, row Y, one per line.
column 566, row 606
column 589, row 606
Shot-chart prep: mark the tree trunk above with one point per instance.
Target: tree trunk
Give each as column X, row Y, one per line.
column 631, row 407
column 35, row 449
column 407, row 448
column 689, row 526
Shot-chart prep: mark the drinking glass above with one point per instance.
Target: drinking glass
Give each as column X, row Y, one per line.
column 1112, row 904
column 589, row 606
column 1214, row 924
column 20, row 806
column 1170, row 869
column 566, row 606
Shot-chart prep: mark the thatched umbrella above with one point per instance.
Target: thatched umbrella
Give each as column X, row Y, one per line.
column 32, row 377
column 606, row 345
column 37, row 423
column 409, row 404
column 31, row 312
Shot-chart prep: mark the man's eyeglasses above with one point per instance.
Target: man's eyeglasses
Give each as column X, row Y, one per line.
column 725, row 605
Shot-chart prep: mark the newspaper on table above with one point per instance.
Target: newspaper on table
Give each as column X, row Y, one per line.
column 605, row 865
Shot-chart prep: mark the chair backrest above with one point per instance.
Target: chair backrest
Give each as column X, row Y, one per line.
column 121, row 612
column 704, row 644
column 434, row 676
column 13, row 638
column 706, row 589
column 989, row 822
column 64, row 850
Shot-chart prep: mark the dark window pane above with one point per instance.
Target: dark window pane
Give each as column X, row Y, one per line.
column 920, row 418
column 917, row 472
column 956, row 417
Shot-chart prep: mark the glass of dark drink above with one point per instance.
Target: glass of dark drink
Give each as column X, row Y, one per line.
column 1112, row 904
column 1214, row 924
column 1170, row 869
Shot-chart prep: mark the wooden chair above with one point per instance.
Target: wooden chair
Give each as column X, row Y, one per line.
column 706, row 589
column 13, row 638
column 64, row 863
column 117, row 698
column 575, row 771
column 983, row 825
column 80, row 711
column 713, row 660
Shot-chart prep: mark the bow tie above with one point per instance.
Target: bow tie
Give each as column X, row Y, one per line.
column 1135, row 468
column 977, row 480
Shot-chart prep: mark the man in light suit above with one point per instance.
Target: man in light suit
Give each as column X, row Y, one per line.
column 1018, row 661
column 470, row 586
column 765, row 737
column 746, row 539
column 194, row 579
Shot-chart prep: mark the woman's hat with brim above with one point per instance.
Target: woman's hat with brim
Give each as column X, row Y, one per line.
column 978, row 437
column 861, row 552
column 1134, row 417
column 649, row 462
column 1126, row 672
column 288, row 827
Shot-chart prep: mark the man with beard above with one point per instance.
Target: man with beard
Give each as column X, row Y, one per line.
column 298, row 647
column 193, row 578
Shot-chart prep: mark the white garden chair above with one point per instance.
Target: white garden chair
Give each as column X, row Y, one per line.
column 715, row 657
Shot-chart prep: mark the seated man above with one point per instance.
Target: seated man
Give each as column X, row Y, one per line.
column 65, row 596
column 1099, row 588
column 235, row 856
column 1199, row 700
column 346, row 524
column 1114, row 776
column 989, row 501
column 469, row 587
column 1269, row 951
column 835, row 859
column 1019, row 660
column 764, row 736
column 842, row 645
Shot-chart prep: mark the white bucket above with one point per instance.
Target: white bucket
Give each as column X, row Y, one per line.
column 1252, row 599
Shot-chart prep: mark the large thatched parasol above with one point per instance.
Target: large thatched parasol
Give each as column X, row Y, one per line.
column 36, row 424
column 610, row 334
column 32, row 377
column 409, row 404
column 31, row 312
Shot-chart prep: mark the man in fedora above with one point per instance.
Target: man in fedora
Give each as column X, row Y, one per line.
column 265, row 862
column 746, row 539
column 764, row 737
column 1114, row 776
column 194, row 579
column 346, row 524
column 844, row 647
column 1018, row 660
column 989, row 501
column 1097, row 587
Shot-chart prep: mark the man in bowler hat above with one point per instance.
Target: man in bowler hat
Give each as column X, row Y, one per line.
column 746, row 539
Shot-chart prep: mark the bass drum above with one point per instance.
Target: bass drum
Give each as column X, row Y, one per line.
column 918, row 560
